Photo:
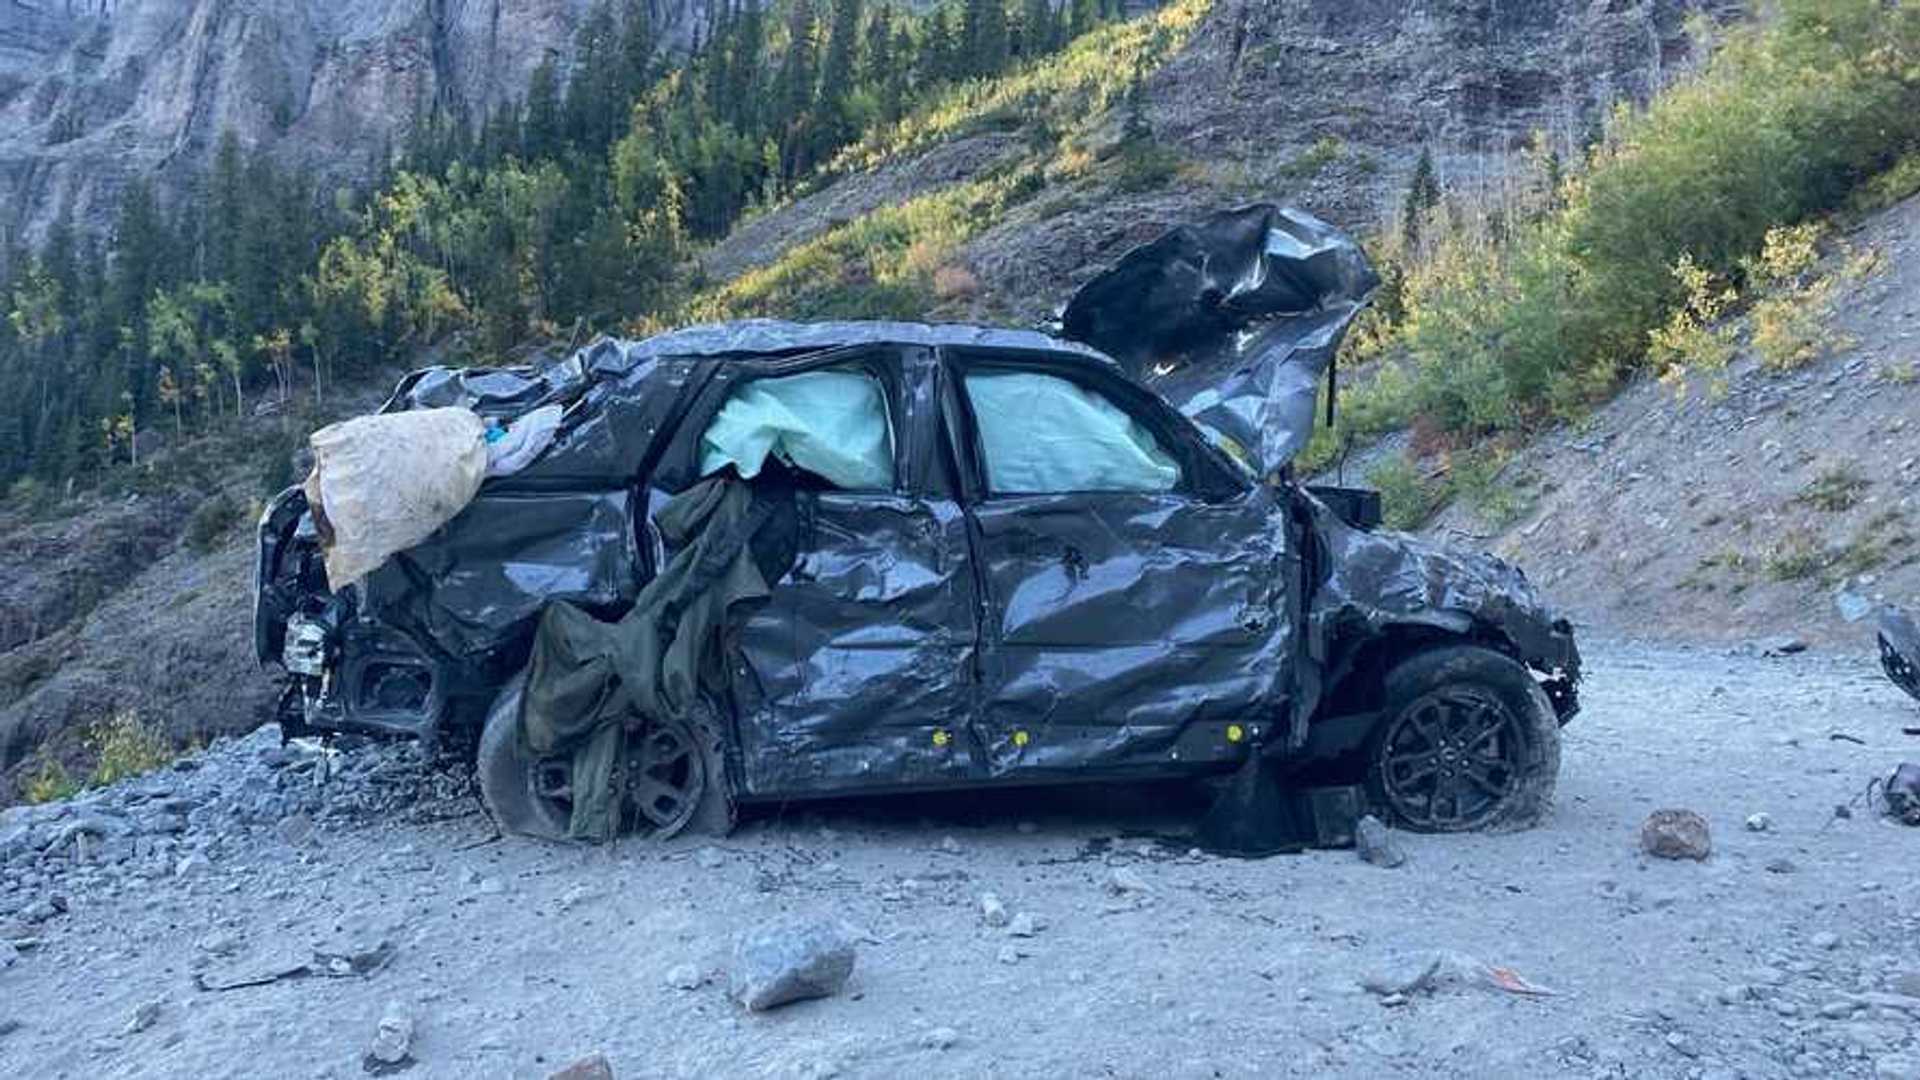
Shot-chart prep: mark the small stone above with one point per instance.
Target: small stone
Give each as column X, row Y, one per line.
column 1122, row 880
column 1896, row 1067
column 1781, row 865
column 1677, row 1041
column 685, row 977
column 596, row 1067
column 1838, row 1010
column 39, row 911
column 192, row 866
column 949, row 846
column 1783, row 646
column 709, row 858
column 1008, row 955
column 940, row 1038
column 9, row 955
column 1375, row 843
column 1760, row 822
column 992, row 911
column 1676, row 834
column 1024, row 925
column 393, row 1040
column 295, row 830
column 1826, row 939
column 144, row 1016
column 790, row 960
column 1786, row 1008
column 491, row 886
column 574, row 897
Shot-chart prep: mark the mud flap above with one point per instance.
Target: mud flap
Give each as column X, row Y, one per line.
column 1255, row 815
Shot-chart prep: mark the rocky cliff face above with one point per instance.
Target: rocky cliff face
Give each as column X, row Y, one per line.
column 96, row 92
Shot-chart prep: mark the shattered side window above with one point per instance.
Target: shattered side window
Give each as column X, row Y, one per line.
column 1043, row 434
column 832, row 424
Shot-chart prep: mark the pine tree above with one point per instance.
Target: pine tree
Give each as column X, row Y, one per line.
column 984, row 36
column 1423, row 194
column 542, row 135
column 1037, row 27
column 795, row 92
column 1085, row 15
column 938, row 59
column 837, row 74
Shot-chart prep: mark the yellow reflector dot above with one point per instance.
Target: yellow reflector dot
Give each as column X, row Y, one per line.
column 940, row 737
column 1019, row 738
column 1234, row 733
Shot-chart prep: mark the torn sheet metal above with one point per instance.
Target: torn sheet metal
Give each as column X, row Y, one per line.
column 1900, row 649
column 1234, row 320
column 1373, row 582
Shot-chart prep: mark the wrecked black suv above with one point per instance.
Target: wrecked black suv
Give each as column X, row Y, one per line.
column 766, row 561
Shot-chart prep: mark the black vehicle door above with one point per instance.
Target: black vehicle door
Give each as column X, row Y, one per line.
column 1135, row 589
column 861, row 661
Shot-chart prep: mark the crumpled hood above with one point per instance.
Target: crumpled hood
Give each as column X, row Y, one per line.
column 1233, row 320
column 1388, row 578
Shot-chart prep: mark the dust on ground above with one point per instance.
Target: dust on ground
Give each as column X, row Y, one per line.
column 1789, row 952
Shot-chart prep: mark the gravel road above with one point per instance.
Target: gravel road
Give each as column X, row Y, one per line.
column 1791, row 951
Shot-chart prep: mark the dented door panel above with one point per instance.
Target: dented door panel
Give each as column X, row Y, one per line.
column 1114, row 620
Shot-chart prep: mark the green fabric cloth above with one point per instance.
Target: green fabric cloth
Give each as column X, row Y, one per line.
column 590, row 680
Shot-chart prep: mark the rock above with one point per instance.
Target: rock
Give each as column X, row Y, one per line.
column 992, row 911
column 1825, row 939
column 949, row 846
column 1786, row 645
column 940, row 1038
column 393, row 1039
column 1839, row 1010
column 9, row 955
column 1375, row 843
column 790, row 960
column 491, row 886
column 574, row 897
column 1676, row 834
column 39, row 911
column 1428, row 971
column 295, row 830
column 192, row 866
column 685, row 977
column 1122, row 881
column 1906, row 982
column 1007, row 955
column 596, row 1067
column 143, row 1017
column 1896, row 1067
column 1781, row 865
column 1851, row 605
column 709, row 858
column 361, row 953
column 1025, row 924
column 1760, row 822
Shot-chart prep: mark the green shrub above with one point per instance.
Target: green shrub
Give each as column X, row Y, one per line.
column 211, row 521
column 48, row 782
column 1787, row 117
column 126, row 746
column 1407, row 497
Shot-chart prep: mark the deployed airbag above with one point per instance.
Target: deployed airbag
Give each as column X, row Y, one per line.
column 381, row 484
column 831, row 423
column 1044, row 434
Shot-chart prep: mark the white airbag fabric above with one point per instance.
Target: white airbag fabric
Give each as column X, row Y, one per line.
column 384, row 483
column 1042, row 434
column 831, row 423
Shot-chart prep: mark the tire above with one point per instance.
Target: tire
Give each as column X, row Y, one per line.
column 1468, row 742
column 507, row 777
column 505, row 771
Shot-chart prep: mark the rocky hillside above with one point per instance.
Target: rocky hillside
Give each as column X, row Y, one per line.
column 94, row 93
column 1324, row 104
column 1776, row 503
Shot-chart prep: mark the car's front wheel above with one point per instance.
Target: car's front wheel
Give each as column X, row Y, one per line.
column 1468, row 740
column 672, row 777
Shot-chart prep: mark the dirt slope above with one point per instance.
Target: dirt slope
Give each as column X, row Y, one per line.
column 1791, row 952
column 1782, row 507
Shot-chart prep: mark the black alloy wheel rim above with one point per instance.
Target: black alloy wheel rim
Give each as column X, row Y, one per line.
column 665, row 778
column 1451, row 759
